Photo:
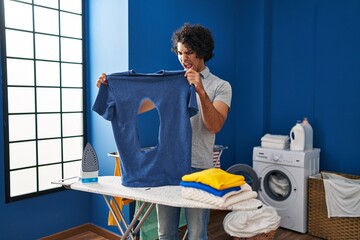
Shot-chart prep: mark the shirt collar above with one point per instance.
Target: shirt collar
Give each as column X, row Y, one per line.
column 205, row 73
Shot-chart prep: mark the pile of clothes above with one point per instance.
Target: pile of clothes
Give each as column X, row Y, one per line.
column 275, row 141
column 219, row 188
column 248, row 224
column 250, row 217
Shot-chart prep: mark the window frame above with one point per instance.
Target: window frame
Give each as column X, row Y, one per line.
column 4, row 73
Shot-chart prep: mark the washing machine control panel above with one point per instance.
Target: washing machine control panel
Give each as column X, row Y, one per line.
column 286, row 159
column 283, row 157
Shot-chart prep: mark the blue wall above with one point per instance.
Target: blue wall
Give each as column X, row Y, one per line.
column 252, row 71
column 150, row 32
column 299, row 59
column 314, row 73
column 107, row 51
column 284, row 59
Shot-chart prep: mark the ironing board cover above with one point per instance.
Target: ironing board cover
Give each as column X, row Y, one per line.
column 166, row 195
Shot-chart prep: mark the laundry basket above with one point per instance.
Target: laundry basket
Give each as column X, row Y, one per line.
column 263, row 236
column 319, row 224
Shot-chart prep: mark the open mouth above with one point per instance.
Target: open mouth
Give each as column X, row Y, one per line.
column 187, row 65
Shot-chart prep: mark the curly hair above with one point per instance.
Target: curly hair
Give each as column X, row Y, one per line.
column 195, row 37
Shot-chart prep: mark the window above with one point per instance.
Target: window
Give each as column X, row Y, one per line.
column 43, row 94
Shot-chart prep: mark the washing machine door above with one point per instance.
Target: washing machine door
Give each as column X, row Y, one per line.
column 248, row 172
column 277, row 186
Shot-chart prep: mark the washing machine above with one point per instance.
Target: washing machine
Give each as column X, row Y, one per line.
column 283, row 182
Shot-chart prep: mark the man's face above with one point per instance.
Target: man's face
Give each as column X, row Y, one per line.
column 188, row 59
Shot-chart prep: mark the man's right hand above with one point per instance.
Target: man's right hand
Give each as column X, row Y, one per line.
column 101, row 80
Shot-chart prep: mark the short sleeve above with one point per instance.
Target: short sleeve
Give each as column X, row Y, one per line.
column 192, row 104
column 224, row 93
column 104, row 103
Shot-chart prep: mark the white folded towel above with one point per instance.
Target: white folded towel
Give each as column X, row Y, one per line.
column 275, row 138
column 275, row 145
column 342, row 195
column 246, row 224
column 228, row 199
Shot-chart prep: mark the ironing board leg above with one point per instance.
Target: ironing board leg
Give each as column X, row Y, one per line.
column 147, row 213
column 129, row 227
column 106, row 198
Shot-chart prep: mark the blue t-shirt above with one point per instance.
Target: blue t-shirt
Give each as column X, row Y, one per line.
column 175, row 101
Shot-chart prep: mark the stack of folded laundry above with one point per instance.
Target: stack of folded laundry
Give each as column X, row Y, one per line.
column 275, row 141
column 219, row 188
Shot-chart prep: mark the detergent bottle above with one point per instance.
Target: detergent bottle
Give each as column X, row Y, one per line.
column 308, row 134
column 297, row 137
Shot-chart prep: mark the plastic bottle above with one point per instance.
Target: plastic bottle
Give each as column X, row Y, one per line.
column 297, row 137
column 308, row 134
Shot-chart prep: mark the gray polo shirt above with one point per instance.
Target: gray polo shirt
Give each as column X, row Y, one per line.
column 202, row 140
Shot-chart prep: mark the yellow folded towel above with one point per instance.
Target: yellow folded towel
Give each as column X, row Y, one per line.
column 120, row 201
column 215, row 178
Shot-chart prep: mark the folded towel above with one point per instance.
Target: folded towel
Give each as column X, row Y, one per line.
column 342, row 195
column 244, row 188
column 246, row 224
column 215, row 178
column 225, row 201
column 275, row 145
column 275, row 138
column 209, row 189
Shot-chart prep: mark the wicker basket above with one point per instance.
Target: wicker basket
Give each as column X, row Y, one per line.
column 263, row 236
column 319, row 224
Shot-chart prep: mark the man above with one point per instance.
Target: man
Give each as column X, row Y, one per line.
column 194, row 45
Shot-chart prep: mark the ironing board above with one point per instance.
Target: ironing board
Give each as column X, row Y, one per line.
column 110, row 187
